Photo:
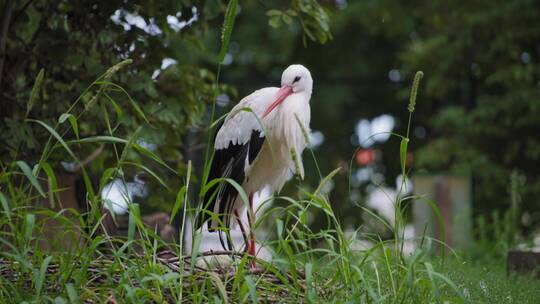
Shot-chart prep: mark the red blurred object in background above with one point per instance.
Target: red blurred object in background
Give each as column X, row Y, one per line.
column 409, row 159
column 365, row 157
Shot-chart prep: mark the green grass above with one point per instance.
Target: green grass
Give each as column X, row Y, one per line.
column 486, row 281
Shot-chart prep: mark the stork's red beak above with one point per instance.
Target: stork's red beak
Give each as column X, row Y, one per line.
column 281, row 95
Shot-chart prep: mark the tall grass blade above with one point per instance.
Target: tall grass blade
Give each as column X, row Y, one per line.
column 39, row 278
column 403, row 154
column 5, row 205
column 182, row 196
column 29, row 221
column 220, row 286
column 72, row 121
column 252, row 290
column 72, row 293
column 51, row 181
column 197, row 238
column 31, row 177
column 134, row 214
column 133, row 103
column 57, row 136
column 179, row 202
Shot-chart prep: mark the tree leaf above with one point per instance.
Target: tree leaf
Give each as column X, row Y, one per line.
column 273, row 12
column 274, row 21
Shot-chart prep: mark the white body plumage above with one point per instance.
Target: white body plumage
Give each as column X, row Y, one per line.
column 279, row 119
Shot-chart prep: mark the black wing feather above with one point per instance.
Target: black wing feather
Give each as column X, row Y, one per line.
column 255, row 145
column 228, row 163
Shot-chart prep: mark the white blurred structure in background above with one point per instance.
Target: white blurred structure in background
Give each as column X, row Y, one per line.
column 382, row 200
column 375, row 131
column 118, row 194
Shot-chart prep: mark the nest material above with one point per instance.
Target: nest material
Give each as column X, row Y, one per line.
column 207, row 264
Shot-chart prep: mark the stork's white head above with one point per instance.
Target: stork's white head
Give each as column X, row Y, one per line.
column 295, row 79
column 298, row 78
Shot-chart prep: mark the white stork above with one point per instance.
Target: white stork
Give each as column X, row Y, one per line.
column 259, row 148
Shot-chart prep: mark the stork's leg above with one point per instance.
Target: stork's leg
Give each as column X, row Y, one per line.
column 252, row 250
column 244, row 234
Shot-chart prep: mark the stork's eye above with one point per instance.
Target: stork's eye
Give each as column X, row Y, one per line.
column 297, row 78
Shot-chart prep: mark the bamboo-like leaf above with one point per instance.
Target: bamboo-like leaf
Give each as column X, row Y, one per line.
column 152, row 155
column 57, row 136
column 252, row 289
column 226, row 30
column 309, row 269
column 134, row 213
column 99, row 139
column 147, row 170
column 35, row 91
column 195, row 249
column 133, row 103
column 117, row 108
column 72, row 121
column 403, row 153
column 29, row 221
column 279, row 227
column 179, row 203
column 5, row 205
column 51, row 182
column 239, row 276
column 31, row 177
column 106, row 176
column 220, row 286
column 40, row 277
column 72, row 293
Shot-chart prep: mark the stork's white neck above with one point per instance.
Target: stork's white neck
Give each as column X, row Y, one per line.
column 285, row 127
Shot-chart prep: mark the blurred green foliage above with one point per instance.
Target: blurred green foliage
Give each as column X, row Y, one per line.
column 74, row 42
column 52, row 51
column 481, row 100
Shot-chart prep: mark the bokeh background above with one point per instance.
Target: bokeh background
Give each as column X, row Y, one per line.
column 477, row 112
